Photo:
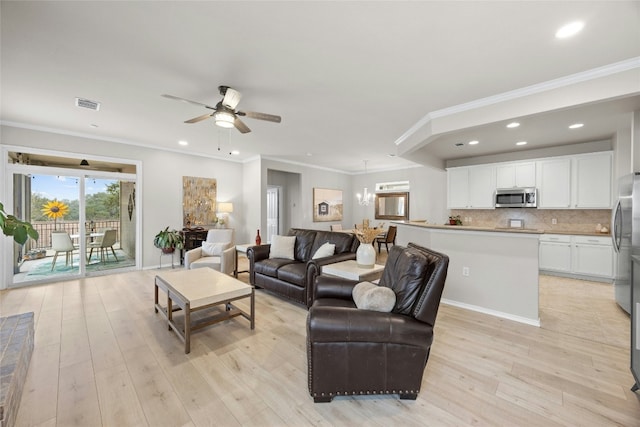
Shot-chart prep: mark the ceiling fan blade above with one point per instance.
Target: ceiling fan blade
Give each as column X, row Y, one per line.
column 231, row 98
column 199, row 118
column 177, row 98
column 260, row 116
column 239, row 124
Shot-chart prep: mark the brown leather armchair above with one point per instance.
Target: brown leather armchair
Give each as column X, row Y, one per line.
column 353, row 352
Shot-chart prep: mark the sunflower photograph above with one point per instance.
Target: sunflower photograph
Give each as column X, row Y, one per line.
column 55, row 210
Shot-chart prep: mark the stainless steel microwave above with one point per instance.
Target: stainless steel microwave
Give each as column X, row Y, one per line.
column 516, row 198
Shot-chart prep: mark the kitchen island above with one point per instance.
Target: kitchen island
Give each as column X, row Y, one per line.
column 494, row 271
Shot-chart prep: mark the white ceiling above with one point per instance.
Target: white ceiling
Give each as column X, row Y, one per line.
column 348, row 78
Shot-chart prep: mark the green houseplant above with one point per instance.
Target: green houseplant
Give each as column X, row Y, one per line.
column 12, row 226
column 168, row 240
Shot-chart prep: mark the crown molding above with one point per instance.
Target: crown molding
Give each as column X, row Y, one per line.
column 595, row 73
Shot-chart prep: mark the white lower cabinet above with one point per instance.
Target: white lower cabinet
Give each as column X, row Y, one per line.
column 555, row 253
column 583, row 256
column 593, row 256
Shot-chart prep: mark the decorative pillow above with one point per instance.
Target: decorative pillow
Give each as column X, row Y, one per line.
column 213, row 249
column 368, row 296
column 282, row 247
column 325, row 250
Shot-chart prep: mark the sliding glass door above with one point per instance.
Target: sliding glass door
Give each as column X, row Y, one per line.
column 87, row 222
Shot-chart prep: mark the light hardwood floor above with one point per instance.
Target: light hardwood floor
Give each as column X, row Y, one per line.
column 103, row 358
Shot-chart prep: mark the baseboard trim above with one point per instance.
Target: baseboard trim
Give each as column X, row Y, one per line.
column 495, row 313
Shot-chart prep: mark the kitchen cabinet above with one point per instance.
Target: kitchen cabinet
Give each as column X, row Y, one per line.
column 589, row 257
column 471, row 187
column 554, row 183
column 593, row 256
column 593, row 181
column 458, row 188
column 555, row 253
column 510, row 175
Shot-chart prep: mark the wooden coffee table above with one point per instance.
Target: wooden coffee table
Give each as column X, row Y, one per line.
column 201, row 289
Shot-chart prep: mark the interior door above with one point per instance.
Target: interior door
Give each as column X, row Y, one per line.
column 273, row 212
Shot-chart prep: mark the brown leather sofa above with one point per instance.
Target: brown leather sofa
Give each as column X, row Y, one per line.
column 361, row 352
column 294, row 279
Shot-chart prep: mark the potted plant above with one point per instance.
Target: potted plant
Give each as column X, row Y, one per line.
column 455, row 220
column 168, row 240
column 12, row 226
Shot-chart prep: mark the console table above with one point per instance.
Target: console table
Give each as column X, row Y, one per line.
column 193, row 238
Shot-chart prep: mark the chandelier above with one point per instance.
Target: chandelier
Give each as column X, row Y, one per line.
column 365, row 198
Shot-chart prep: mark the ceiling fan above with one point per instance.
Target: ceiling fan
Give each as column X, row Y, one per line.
column 225, row 113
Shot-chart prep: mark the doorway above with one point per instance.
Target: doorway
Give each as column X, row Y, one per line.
column 273, row 212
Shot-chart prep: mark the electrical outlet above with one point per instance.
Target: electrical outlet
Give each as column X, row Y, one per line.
column 465, row 271
column 554, row 221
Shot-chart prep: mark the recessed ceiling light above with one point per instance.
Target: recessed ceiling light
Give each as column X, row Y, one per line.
column 391, row 155
column 569, row 30
column 474, row 142
column 183, row 142
column 521, row 143
column 513, row 125
column 309, row 154
column 576, row 126
column 235, row 152
column 459, row 144
column 93, row 125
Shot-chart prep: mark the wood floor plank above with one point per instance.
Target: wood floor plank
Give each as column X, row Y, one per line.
column 119, row 403
column 78, row 397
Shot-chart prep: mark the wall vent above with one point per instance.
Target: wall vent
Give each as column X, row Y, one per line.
column 87, row 103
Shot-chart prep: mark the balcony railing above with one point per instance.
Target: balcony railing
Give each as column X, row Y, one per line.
column 44, row 228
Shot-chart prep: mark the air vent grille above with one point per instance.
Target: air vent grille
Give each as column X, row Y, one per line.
column 87, row 103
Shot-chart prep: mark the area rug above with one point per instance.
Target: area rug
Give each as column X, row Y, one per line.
column 43, row 267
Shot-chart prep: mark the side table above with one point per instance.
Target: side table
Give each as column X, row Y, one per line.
column 241, row 249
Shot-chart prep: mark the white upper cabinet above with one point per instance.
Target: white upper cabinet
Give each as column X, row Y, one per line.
column 471, row 187
column 482, row 187
column 593, row 181
column 458, row 188
column 581, row 181
column 510, row 175
column 554, row 183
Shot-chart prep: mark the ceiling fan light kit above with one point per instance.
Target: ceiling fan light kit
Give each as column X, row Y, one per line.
column 225, row 113
column 224, row 119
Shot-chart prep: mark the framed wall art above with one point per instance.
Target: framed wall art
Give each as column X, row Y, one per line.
column 327, row 205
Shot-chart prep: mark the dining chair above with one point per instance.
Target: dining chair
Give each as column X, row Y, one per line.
column 108, row 240
column 61, row 242
column 390, row 237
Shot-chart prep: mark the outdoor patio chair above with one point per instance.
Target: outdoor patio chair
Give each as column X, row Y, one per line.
column 107, row 241
column 61, row 242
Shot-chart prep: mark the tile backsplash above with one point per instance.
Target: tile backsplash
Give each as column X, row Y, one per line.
column 582, row 220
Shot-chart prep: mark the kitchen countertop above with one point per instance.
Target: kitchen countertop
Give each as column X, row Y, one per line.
column 501, row 229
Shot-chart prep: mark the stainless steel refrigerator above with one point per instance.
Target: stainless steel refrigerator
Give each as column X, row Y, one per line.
column 625, row 232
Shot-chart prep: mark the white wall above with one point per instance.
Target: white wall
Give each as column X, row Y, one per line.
column 427, row 195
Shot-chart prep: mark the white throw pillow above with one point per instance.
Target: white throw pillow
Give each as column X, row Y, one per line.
column 325, row 250
column 282, row 247
column 213, row 249
column 369, row 296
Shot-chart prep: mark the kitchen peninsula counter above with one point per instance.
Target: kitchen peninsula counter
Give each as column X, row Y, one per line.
column 494, row 271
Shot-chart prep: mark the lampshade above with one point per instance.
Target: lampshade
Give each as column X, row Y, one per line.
column 224, row 119
column 225, row 207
